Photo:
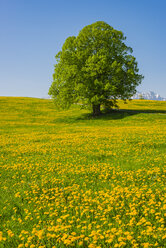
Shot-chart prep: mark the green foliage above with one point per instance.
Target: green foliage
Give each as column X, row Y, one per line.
column 94, row 68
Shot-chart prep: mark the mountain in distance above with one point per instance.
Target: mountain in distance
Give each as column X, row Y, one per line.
column 148, row 96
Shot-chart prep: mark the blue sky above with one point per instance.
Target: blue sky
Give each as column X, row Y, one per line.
column 33, row 31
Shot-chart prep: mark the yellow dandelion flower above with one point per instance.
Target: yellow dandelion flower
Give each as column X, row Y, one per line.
column 20, row 246
column 32, row 246
column 80, row 243
column 129, row 237
column 146, row 245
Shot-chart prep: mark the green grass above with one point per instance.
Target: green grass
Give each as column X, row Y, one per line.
column 68, row 179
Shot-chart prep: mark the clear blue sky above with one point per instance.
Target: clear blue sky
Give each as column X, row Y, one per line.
column 33, row 31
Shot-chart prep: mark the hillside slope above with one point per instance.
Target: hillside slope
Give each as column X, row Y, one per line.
column 68, row 179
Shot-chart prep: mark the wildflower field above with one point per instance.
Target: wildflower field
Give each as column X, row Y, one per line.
column 70, row 180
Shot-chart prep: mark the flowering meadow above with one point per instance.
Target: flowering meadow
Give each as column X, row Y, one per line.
column 70, row 180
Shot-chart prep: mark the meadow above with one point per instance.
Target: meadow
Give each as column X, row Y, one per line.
column 70, row 180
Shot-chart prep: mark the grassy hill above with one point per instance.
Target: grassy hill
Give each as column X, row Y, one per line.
column 68, row 179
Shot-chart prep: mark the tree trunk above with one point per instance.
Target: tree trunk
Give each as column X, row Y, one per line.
column 96, row 110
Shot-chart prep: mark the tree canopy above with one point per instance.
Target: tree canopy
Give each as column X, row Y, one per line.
column 95, row 68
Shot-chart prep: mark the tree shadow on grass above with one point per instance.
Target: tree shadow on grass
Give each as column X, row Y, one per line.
column 123, row 113
column 113, row 114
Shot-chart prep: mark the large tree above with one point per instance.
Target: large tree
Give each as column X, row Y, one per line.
column 95, row 68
